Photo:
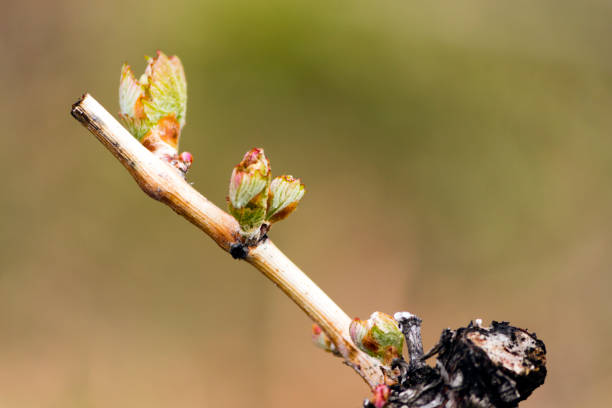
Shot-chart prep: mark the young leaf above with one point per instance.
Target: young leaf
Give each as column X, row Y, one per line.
column 154, row 107
column 285, row 194
column 248, row 191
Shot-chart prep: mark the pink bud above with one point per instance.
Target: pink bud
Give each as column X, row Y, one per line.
column 186, row 158
column 252, row 157
column 381, row 395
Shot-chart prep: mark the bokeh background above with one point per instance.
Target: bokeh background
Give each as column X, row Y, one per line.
column 457, row 157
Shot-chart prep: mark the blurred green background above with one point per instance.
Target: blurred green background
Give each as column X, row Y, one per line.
column 457, row 157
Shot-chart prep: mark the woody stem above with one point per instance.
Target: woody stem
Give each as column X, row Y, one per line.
column 163, row 183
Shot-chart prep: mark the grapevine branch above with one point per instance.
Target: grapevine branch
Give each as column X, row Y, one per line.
column 477, row 367
column 163, row 183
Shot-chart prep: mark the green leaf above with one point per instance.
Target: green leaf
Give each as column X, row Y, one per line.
column 160, row 93
column 166, row 89
column 248, row 191
column 285, row 194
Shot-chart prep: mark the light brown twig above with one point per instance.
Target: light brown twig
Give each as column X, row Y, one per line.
column 163, row 183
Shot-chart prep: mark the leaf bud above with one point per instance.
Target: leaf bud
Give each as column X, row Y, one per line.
column 248, row 192
column 153, row 108
column 320, row 339
column 379, row 336
column 285, row 194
